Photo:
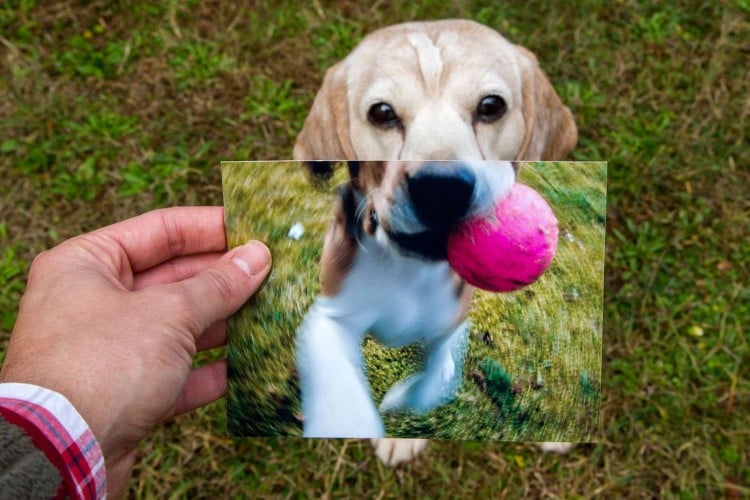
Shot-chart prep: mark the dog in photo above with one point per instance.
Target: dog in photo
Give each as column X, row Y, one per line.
column 440, row 96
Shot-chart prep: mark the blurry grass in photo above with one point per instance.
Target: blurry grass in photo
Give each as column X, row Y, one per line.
column 533, row 368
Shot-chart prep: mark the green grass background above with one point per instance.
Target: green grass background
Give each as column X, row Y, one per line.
column 546, row 337
column 109, row 109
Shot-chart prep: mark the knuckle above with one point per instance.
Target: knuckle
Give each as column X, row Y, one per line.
column 222, row 282
column 175, row 233
column 41, row 265
column 41, row 260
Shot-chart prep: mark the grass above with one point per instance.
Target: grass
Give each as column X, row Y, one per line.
column 547, row 337
column 657, row 89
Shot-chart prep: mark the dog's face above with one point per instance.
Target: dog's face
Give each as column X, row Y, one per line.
column 411, row 207
column 442, row 90
column 435, row 95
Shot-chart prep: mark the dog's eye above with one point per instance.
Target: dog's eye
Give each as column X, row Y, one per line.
column 382, row 115
column 491, row 108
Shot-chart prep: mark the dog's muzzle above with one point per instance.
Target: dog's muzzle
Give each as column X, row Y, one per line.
column 440, row 196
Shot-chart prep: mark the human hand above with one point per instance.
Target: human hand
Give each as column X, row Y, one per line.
column 111, row 320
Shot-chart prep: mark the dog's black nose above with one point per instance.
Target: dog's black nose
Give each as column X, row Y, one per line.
column 441, row 193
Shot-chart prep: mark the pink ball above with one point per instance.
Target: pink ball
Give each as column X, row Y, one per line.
column 510, row 250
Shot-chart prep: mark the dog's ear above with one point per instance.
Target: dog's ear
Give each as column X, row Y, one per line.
column 325, row 135
column 550, row 129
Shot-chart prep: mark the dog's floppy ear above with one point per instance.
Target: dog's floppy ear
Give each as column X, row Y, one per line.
column 325, row 135
column 550, row 129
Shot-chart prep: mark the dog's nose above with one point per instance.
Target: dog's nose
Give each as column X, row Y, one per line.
column 441, row 193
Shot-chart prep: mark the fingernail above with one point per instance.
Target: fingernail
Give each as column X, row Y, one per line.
column 252, row 257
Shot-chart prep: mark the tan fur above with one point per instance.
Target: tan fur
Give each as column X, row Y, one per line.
column 550, row 129
column 325, row 135
column 338, row 253
column 339, row 247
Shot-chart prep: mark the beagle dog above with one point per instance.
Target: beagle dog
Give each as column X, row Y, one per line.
column 441, row 96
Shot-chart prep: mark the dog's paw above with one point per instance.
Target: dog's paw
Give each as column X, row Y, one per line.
column 556, row 447
column 392, row 451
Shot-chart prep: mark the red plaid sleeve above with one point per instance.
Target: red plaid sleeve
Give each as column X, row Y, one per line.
column 59, row 431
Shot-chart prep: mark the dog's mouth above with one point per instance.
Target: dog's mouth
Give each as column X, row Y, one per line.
column 431, row 201
column 429, row 245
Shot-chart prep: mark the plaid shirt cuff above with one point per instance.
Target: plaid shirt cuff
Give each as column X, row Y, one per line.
column 61, row 433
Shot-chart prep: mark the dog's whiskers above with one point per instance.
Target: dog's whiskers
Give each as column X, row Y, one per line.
column 361, row 207
column 358, row 219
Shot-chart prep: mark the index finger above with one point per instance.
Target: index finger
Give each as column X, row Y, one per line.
column 162, row 234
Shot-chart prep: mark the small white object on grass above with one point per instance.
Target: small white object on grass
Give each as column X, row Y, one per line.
column 559, row 448
column 296, row 231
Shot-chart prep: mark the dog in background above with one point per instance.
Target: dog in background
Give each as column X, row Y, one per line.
column 440, row 90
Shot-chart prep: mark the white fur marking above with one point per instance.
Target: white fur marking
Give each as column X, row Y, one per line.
column 428, row 57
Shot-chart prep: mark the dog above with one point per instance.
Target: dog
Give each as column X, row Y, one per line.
column 442, row 95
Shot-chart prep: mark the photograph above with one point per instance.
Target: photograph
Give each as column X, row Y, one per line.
column 454, row 300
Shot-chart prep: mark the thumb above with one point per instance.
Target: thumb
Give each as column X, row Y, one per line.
column 218, row 291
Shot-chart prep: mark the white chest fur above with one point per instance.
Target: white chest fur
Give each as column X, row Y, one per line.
column 399, row 300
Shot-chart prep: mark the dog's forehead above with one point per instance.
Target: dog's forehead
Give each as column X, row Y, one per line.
column 450, row 52
column 447, row 39
column 428, row 57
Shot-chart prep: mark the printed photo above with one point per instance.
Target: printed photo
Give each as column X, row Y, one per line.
column 425, row 299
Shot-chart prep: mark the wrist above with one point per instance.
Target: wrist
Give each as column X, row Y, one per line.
column 59, row 431
column 44, row 372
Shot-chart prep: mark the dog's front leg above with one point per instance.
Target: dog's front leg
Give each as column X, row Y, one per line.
column 336, row 400
column 437, row 383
